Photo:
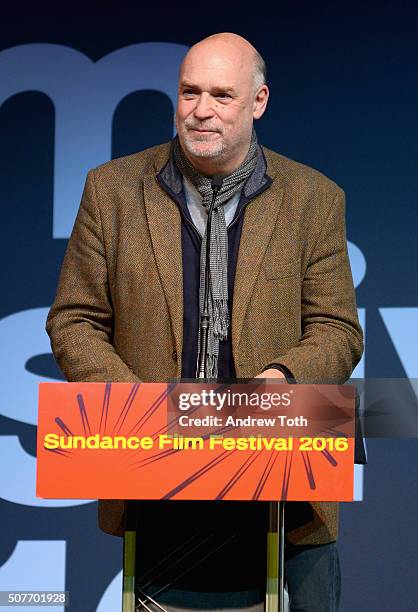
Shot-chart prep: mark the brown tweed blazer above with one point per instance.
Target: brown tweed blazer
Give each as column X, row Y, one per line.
column 118, row 312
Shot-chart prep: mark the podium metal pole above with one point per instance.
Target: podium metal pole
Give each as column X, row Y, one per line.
column 275, row 558
column 129, row 557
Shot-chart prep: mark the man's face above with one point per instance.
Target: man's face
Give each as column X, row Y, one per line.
column 215, row 109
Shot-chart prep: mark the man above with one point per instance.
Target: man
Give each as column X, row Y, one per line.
column 281, row 300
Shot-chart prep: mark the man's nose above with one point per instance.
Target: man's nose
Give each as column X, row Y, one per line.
column 204, row 107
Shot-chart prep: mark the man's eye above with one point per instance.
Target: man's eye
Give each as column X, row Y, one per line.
column 188, row 92
column 222, row 95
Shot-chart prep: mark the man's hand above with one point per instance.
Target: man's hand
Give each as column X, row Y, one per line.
column 271, row 373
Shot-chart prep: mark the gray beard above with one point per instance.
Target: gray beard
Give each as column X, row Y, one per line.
column 216, row 152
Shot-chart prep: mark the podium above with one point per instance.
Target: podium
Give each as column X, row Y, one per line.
column 254, row 441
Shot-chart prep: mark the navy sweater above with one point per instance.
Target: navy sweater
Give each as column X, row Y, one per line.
column 170, row 180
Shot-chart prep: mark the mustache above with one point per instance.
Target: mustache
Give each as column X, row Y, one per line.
column 200, row 126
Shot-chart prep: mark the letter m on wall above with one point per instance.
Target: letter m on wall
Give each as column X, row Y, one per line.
column 85, row 94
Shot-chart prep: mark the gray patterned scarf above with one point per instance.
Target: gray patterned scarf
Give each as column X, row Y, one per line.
column 218, row 281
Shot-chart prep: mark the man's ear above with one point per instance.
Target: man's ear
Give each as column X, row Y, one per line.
column 260, row 101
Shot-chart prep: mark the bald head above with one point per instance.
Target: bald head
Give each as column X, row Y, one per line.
column 221, row 91
column 238, row 49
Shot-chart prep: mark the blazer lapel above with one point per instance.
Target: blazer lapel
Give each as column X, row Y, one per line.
column 259, row 220
column 165, row 228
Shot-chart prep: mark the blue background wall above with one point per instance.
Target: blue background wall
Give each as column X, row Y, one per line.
column 344, row 99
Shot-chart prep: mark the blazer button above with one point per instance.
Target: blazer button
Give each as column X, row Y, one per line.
column 174, row 355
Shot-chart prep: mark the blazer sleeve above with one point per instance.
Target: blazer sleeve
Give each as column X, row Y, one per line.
column 80, row 321
column 332, row 340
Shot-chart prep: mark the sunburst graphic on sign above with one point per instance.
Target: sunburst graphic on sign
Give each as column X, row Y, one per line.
column 122, row 440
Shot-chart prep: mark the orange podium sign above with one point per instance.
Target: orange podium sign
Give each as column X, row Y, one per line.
column 193, row 441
